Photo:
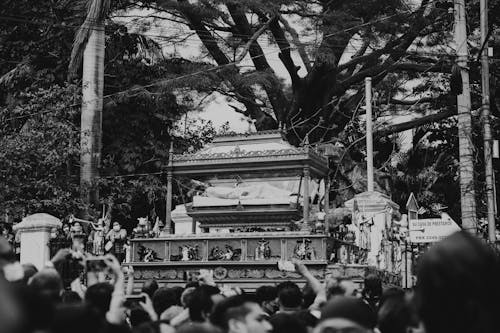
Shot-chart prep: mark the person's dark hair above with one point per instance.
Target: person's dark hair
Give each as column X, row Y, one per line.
column 150, row 287
column 164, row 298
column 308, row 296
column 198, row 328
column 289, row 295
column 98, row 297
column 70, row 297
column 266, row 294
column 192, row 284
column 138, row 316
column 178, row 293
column 350, row 308
column 287, row 323
column 306, row 318
column 235, row 307
column 29, row 271
column 200, row 302
column 393, row 292
column 457, row 286
column 76, row 318
column 48, row 283
column 372, row 286
column 394, row 315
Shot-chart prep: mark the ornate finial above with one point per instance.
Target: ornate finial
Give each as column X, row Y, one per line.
column 306, row 140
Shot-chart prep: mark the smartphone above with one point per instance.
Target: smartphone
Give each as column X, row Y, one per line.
column 130, row 300
column 95, row 264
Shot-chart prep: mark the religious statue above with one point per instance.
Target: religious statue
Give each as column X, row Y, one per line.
column 263, row 250
column 96, row 238
column 189, row 253
column 142, row 230
column 242, row 191
column 116, row 239
column 147, row 254
column 304, row 251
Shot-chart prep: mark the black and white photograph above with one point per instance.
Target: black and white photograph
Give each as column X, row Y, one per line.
column 249, row 166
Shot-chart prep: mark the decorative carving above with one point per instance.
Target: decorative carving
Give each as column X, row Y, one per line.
column 147, row 254
column 263, row 250
column 304, row 251
column 228, row 254
column 271, row 273
column 255, row 273
column 235, row 274
column 187, row 253
column 220, row 273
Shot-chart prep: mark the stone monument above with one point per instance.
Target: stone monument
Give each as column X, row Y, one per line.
column 35, row 235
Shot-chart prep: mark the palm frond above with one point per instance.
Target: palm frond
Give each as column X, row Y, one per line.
column 97, row 10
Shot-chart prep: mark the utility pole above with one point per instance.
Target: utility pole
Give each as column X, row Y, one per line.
column 467, row 192
column 369, row 134
column 485, row 115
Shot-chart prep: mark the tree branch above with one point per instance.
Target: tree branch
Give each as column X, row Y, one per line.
column 296, row 41
column 432, row 118
column 253, row 39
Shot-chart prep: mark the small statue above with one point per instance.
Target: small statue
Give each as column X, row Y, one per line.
column 229, row 253
column 215, row 253
column 184, row 250
column 142, row 230
column 147, row 254
column 263, row 250
column 96, row 238
column 304, row 251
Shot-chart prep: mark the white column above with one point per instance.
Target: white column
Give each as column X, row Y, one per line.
column 35, row 235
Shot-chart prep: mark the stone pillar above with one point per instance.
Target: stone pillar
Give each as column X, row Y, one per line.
column 168, row 218
column 35, row 235
column 305, row 195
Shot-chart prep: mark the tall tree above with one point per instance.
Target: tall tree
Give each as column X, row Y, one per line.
column 90, row 44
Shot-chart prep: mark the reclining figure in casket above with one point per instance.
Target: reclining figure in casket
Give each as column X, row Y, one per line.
column 245, row 192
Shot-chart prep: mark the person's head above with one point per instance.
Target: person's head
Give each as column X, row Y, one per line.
column 372, row 289
column 11, row 314
column 164, row 298
column 457, row 286
column 186, row 296
column 116, row 226
column 149, row 287
column 202, row 302
column 289, row 296
column 340, row 325
column 287, row 323
column 267, row 296
column 98, row 297
column 198, row 328
column 350, row 308
column 70, row 297
column 394, row 314
column 240, row 314
column 29, row 270
column 47, row 283
column 308, row 296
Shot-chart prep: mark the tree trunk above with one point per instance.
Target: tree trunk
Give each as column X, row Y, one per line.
column 91, row 118
column 466, row 148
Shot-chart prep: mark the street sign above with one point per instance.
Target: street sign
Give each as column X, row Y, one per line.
column 432, row 230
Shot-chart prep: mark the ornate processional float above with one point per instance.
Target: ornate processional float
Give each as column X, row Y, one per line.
column 258, row 201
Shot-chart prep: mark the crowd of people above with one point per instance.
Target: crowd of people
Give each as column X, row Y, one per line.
column 457, row 291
